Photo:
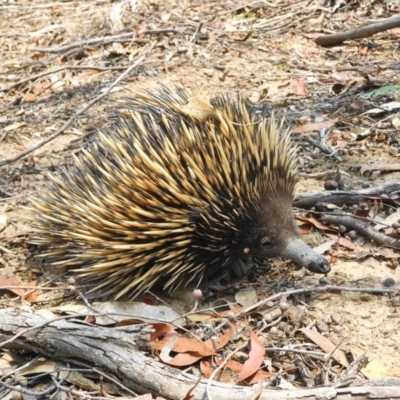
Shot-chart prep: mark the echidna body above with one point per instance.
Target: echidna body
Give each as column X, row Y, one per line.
column 164, row 197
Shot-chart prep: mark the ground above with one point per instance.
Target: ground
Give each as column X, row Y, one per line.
column 343, row 97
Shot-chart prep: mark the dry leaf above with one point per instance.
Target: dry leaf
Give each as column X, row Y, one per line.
column 256, row 357
column 198, row 108
column 326, row 345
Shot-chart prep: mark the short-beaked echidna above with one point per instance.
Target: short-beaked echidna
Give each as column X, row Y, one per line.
column 164, row 197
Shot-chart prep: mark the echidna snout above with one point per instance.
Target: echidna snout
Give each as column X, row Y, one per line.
column 304, row 255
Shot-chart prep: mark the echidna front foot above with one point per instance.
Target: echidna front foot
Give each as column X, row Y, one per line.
column 239, row 268
column 304, row 255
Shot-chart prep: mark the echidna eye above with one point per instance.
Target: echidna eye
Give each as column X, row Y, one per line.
column 265, row 242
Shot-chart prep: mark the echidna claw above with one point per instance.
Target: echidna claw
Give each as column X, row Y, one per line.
column 239, row 268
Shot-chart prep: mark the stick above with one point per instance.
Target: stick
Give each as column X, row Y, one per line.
column 83, row 43
column 358, row 33
column 54, row 71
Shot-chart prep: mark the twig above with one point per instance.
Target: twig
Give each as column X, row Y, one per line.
column 31, row 7
column 351, row 374
column 17, row 196
column 32, row 289
column 330, row 355
column 20, row 368
column 216, row 370
column 29, row 392
column 4, row 250
column 114, row 380
column 316, row 354
column 37, row 76
column 161, row 31
column 326, row 288
column 314, row 143
column 83, row 43
column 193, row 38
column 322, row 174
column 79, row 112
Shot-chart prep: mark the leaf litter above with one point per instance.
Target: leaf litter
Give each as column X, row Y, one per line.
column 57, row 57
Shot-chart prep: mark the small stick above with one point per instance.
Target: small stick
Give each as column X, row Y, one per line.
column 196, row 32
column 326, row 288
column 83, row 43
column 220, row 367
column 37, row 76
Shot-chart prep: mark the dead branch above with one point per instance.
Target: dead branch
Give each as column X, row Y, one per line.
column 358, row 33
column 114, row 351
column 79, row 112
column 363, row 227
column 341, row 197
column 319, row 146
column 323, row 174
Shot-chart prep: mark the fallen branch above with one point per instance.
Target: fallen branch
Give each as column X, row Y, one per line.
column 363, row 227
column 113, row 350
column 319, row 146
column 341, row 197
column 358, row 33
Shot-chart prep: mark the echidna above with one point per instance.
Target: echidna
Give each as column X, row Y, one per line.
column 166, row 196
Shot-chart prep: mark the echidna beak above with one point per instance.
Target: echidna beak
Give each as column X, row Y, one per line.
column 304, row 255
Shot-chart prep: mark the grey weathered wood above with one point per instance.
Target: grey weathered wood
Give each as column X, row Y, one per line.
column 114, row 351
column 359, row 33
column 341, row 197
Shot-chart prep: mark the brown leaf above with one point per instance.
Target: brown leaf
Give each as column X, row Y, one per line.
column 326, row 345
column 163, row 334
column 342, row 241
column 314, row 222
column 299, row 88
column 12, row 281
column 198, row 108
column 256, row 357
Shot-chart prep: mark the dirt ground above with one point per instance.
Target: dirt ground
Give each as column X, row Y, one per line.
column 263, row 50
